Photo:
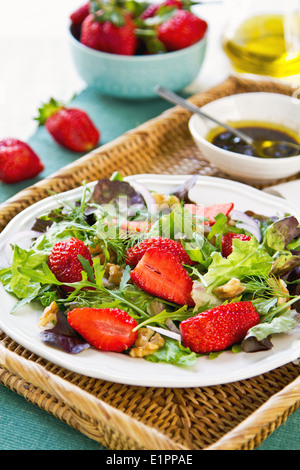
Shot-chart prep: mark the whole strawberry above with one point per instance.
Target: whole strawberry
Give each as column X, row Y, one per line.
column 80, row 14
column 91, row 34
column 109, row 30
column 18, row 162
column 152, row 9
column 182, row 30
column 227, row 242
column 219, row 328
column 64, row 263
column 135, row 254
column 107, row 329
column 70, row 127
column 120, row 39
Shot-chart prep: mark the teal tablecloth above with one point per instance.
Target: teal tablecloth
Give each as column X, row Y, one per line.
column 113, row 117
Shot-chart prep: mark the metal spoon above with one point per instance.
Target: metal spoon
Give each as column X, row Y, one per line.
column 265, row 148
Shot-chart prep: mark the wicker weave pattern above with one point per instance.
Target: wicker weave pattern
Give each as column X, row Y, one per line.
column 233, row 416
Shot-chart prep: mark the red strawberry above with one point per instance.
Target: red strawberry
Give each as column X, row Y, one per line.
column 120, row 39
column 227, row 242
column 70, row 127
column 135, row 254
column 183, row 29
column 18, row 161
column 64, row 263
column 210, row 212
column 80, row 14
column 91, row 34
column 104, row 35
column 108, row 329
column 161, row 274
column 135, row 226
column 218, row 328
column 151, row 10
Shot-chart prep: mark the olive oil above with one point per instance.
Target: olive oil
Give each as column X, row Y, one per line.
column 266, row 45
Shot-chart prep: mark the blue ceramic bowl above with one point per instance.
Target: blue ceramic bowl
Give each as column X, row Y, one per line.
column 136, row 76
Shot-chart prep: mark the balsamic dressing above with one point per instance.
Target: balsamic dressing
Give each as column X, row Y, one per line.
column 257, row 131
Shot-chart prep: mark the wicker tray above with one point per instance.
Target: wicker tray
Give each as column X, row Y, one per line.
column 235, row 416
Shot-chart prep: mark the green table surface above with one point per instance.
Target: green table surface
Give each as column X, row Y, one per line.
column 113, row 117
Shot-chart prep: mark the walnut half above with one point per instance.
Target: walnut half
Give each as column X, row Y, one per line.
column 114, row 273
column 49, row 315
column 231, row 289
column 147, row 342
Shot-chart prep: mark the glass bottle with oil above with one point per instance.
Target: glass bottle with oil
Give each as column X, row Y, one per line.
column 263, row 37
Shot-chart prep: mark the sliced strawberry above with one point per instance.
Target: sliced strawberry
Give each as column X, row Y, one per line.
column 218, row 328
column 210, row 212
column 227, row 242
column 135, row 254
column 135, row 226
column 161, row 274
column 108, row 329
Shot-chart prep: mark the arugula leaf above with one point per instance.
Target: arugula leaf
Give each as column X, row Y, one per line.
column 87, row 267
column 179, row 315
column 199, row 250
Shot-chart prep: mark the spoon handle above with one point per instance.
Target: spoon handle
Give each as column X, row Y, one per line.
column 168, row 95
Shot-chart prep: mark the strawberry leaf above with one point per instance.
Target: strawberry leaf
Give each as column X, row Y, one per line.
column 47, row 110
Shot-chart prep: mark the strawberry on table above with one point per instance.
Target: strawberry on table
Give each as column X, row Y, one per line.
column 135, row 254
column 161, row 274
column 64, row 263
column 70, row 127
column 219, row 328
column 18, row 162
column 107, row 329
column 227, row 242
column 182, row 30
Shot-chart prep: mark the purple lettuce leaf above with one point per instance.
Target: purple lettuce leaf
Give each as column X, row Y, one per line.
column 108, row 192
column 63, row 336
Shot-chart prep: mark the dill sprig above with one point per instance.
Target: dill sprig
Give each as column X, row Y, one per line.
column 265, row 287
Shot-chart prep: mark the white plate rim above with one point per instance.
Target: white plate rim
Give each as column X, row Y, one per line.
column 161, row 375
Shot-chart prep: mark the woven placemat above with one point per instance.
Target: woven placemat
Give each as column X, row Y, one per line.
column 237, row 416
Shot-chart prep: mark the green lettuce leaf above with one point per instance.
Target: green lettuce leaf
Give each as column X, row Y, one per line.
column 173, row 353
column 281, row 233
column 19, row 284
column 247, row 259
column 287, row 322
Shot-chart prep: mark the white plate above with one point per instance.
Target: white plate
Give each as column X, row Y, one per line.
column 228, row 367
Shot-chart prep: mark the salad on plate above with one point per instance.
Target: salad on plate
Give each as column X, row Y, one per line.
column 156, row 276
